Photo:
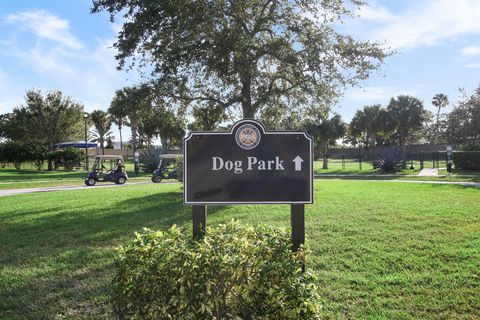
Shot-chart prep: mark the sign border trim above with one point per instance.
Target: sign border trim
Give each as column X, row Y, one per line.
column 264, row 131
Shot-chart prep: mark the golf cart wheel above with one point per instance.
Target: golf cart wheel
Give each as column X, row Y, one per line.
column 90, row 182
column 156, row 179
column 121, row 180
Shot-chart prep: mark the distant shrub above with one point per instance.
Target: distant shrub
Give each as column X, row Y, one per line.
column 179, row 168
column 149, row 159
column 68, row 158
column 389, row 160
column 16, row 152
column 235, row 272
column 467, row 160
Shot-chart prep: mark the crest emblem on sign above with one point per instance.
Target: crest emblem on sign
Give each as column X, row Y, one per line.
column 247, row 137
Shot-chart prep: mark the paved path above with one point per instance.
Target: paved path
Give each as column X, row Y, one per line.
column 9, row 192
column 460, row 183
column 428, row 172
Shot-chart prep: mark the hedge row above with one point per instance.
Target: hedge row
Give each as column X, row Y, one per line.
column 467, row 160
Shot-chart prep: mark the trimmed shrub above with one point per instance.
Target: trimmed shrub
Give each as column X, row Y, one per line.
column 235, row 272
column 467, row 160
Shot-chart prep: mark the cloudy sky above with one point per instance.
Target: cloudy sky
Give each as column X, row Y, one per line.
column 57, row 44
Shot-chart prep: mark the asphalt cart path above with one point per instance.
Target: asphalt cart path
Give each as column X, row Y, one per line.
column 9, row 192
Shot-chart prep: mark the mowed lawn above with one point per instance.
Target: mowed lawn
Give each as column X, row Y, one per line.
column 381, row 250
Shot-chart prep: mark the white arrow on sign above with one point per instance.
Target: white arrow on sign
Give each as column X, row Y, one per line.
column 298, row 163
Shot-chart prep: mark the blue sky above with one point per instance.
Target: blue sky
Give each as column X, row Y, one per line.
column 57, row 44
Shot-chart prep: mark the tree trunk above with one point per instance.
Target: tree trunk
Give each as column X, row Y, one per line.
column 134, row 137
column 121, row 141
column 247, row 107
column 325, row 159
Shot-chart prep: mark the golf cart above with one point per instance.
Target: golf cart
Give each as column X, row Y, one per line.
column 99, row 171
column 166, row 168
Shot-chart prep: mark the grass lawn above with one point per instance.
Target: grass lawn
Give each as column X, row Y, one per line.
column 381, row 250
column 10, row 178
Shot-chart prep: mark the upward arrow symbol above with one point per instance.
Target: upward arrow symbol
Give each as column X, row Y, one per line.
column 298, row 163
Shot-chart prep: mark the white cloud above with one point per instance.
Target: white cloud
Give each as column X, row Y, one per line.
column 473, row 66
column 10, row 95
column 375, row 13
column 428, row 22
column 46, row 26
column 470, row 51
column 377, row 94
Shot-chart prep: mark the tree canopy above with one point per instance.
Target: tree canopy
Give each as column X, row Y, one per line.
column 44, row 120
column 409, row 116
column 243, row 53
column 102, row 124
column 463, row 123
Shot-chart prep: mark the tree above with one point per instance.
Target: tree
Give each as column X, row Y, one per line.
column 165, row 123
column 463, row 123
column 102, row 123
column 207, row 117
column 132, row 103
column 370, row 125
column 440, row 101
column 44, row 120
column 120, row 121
column 326, row 132
column 409, row 116
column 243, row 53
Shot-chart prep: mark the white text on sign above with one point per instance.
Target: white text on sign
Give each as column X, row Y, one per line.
column 252, row 163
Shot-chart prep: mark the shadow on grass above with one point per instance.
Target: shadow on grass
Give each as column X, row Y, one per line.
column 62, row 264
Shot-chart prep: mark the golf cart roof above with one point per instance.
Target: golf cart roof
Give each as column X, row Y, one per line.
column 169, row 156
column 110, row 157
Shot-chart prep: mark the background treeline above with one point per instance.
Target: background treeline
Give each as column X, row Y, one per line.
column 30, row 132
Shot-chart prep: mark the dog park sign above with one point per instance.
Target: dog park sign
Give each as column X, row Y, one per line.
column 249, row 165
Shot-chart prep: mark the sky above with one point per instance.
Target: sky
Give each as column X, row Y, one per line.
column 57, row 44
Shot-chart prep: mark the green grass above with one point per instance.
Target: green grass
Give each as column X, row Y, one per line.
column 381, row 250
column 10, row 178
column 30, row 178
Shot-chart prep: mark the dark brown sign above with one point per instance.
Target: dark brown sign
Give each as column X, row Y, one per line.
column 248, row 165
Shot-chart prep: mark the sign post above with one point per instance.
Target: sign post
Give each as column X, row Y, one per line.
column 249, row 165
column 449, row 159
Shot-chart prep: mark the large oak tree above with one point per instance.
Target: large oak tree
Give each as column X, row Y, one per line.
column 243, row 53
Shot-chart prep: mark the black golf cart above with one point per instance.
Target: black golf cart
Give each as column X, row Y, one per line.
column 166, row 168
column 107, row 169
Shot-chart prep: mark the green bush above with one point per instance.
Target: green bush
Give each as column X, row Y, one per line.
column 235, row 272
column 467, row 160
column 15, row 152
column 149, row 159
column 68, row 158
column 389, row 160
column 179, row 168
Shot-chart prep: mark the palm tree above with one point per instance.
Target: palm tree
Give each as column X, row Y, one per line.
column 440, row 101
column 132, row 103
column 102, row 123
column 120, row 121
column 408, row 116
